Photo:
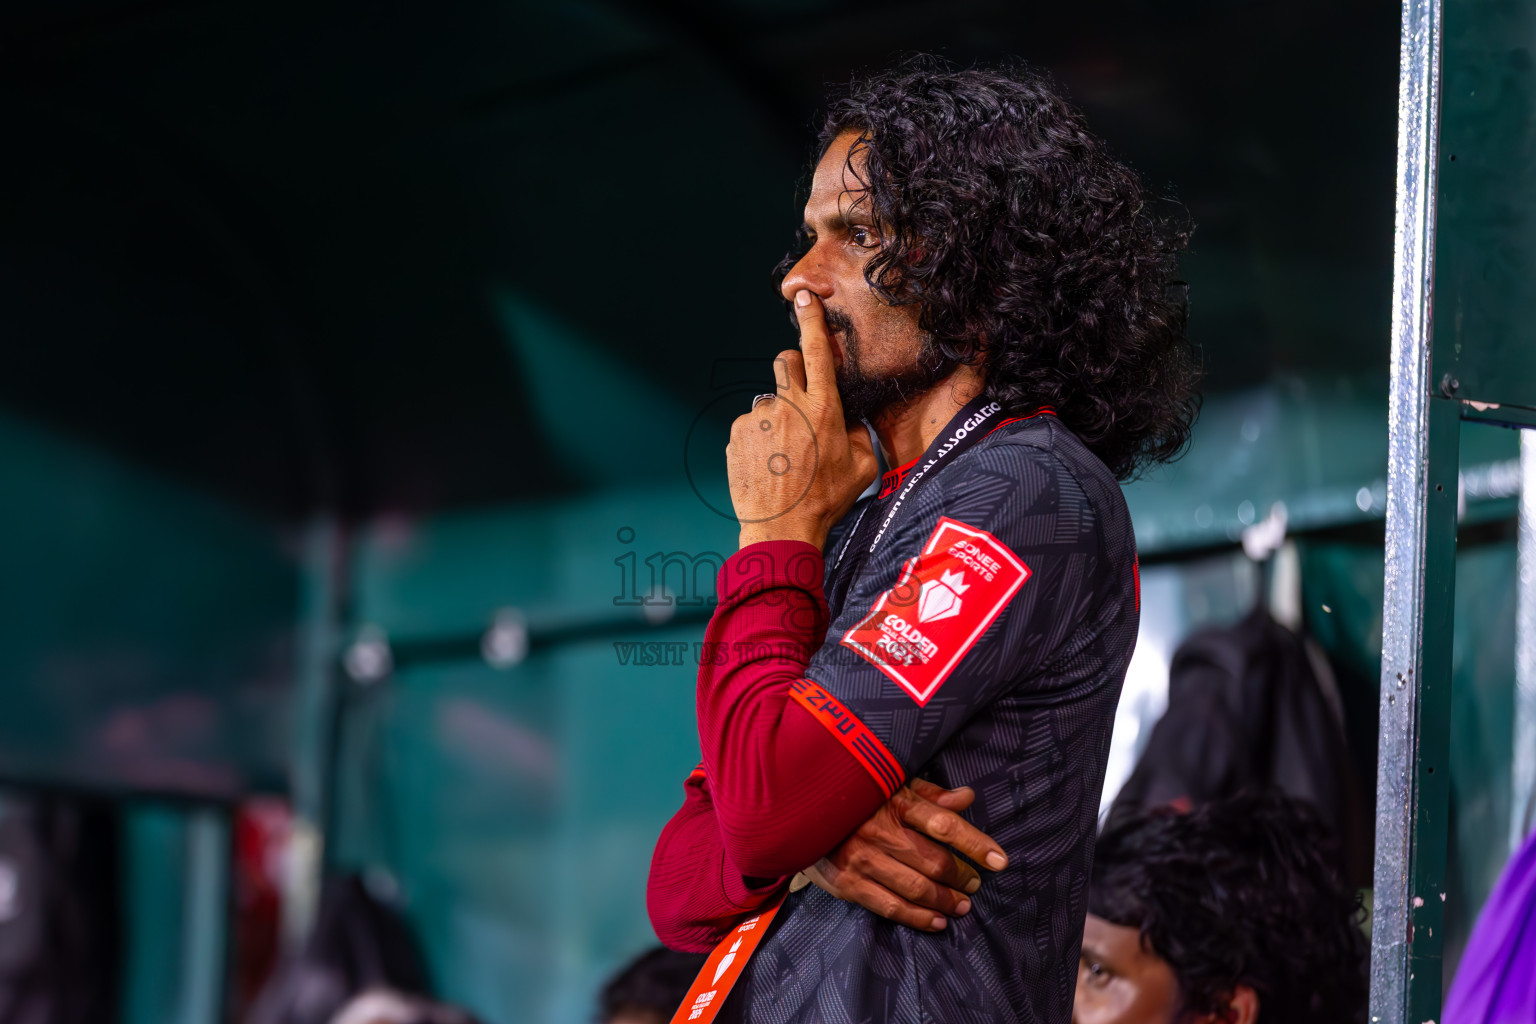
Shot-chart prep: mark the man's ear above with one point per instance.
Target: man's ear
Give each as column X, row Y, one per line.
column 1243, row 1007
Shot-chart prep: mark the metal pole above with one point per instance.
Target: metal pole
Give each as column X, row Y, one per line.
column 1523, row 783
column 205, row 953
column 1408, row 511
column 314, row 706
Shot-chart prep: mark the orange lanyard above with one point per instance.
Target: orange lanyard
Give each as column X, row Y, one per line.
column 723, row 967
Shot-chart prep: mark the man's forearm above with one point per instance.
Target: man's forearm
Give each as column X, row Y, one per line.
column 785, row 789
column 694, row 894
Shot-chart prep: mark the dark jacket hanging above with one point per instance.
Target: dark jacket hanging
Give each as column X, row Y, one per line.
column 1246, row 711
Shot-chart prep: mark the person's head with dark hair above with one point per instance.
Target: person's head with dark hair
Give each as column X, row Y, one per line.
column 969, row 218
column 649, row 989
column 1237, row 912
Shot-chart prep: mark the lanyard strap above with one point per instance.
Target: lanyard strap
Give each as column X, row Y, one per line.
column 724, row 967
column 960, row 433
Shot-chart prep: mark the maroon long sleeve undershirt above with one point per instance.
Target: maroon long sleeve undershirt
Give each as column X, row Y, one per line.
column 695, row 894
column 778, row 789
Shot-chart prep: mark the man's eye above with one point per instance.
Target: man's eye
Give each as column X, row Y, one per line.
column 1096, row 973
column 864, row 238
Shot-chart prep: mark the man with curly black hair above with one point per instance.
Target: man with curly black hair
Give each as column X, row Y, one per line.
column 984, row 286
column 1237, row 912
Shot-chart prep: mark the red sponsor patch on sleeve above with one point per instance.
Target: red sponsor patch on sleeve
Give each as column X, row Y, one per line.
column 946, row 597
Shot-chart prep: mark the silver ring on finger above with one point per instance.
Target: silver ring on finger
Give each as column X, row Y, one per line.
column 761, row 398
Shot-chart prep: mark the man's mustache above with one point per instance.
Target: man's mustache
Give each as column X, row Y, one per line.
column 837, row 320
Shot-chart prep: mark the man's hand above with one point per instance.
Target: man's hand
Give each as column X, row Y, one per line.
column 893, row 867
column 795, row 468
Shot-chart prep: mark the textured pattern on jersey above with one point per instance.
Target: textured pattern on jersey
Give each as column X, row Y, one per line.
column 1024, row 718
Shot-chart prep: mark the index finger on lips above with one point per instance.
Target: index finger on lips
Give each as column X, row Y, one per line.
column 815, row 344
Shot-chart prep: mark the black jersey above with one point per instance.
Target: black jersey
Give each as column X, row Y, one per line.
column 983, row 642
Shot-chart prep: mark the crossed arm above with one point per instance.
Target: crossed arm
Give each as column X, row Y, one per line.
column 778, row 793
column 900, row 864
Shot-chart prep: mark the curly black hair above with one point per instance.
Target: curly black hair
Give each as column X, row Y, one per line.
column 653, row 983
column 1028, row 247
column 1246, row 890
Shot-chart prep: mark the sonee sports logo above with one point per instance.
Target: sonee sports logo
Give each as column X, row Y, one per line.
column 946, row 597
column 940, row 598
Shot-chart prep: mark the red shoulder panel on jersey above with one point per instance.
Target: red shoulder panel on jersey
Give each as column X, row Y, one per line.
column 946, row 597
column 1044, row 410
column 851, row 733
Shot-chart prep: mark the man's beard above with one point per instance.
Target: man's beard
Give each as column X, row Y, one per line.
column 866, row 395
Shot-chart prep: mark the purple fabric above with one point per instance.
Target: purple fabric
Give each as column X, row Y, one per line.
column 1496, row 982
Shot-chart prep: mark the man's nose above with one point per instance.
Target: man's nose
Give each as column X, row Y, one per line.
column 806, row 275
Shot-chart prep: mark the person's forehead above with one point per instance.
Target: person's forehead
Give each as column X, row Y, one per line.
column 835, row 186
column 1115, row 941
